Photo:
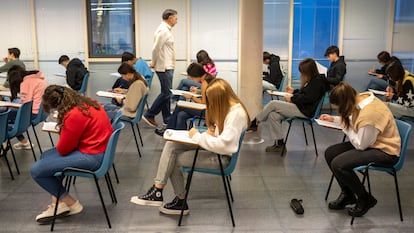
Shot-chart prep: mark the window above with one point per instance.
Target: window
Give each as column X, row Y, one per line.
column 404, row 11
column 110, row 27
column 315, row 28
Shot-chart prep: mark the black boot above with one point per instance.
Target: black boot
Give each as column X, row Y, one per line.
column 363, row 204
column 253, row 125
column 344, row 199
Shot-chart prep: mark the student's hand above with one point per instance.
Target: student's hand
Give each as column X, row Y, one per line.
column 211, row 130
column 119, row 100
column 372, row 70
column 287, row 98
column 193, row 131
column 187, row 96
column 390, row 93
column 289, row 89
column 120, row 90
column 326, row 117
column 5, row 59
column 193, row 89
column 380, row 76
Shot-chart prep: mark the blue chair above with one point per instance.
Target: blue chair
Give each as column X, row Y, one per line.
column 136, row 119
column 115, row 122
column 41, row 116
column 102, row 171
column 84, row 86
column 404, row 130
column 281, row 87
column 225, row 173
column 309, row 121
column 3, row 138
column 149, row 83
column 21, row 125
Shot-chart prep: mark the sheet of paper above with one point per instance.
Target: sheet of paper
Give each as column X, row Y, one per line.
column 178, row 136
column 329, row 124
column 322, row 69
column 377, row 92
column 181, row 92
column 192, row 105
column 109, row 94
column 60, row 74
column 50, row 127
column 9, row 104
column 279, row 93
column 115, row 74
column 5, row 93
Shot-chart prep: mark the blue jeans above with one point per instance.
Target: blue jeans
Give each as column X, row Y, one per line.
column 162, row 102
column 186, row 83
column 377, row 84
column 111, row 110
column 51, row 162
column 178, row 119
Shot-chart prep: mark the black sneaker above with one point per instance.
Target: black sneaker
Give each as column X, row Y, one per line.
column 160, row 131
column 175, row 207
column 253, row 126
column 152, row 198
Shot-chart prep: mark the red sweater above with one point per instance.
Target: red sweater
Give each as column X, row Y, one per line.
column 88, row 134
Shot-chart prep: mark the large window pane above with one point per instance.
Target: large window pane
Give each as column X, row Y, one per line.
column 111, row 27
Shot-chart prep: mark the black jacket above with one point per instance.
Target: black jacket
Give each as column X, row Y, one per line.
column 75, row 71
column 274, row 76
column 336, row 71
column 308, row 97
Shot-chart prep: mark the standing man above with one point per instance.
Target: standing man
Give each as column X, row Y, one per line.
column 337, row 69
column 11, row 60
column 75, row 71
column 272, row 79
column 163, row 62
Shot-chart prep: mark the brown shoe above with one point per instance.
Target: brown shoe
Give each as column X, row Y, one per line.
column 150, row 121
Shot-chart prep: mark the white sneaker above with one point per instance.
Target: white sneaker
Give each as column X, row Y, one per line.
column 22, row 146
column 75, row 208
column 47, row 215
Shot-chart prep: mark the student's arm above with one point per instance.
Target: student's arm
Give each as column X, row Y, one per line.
column 310, row 94
column 71, row 132
column 365, row 137
column 5, row 67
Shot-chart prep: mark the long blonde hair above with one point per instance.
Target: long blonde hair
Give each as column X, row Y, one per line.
column 219, row 97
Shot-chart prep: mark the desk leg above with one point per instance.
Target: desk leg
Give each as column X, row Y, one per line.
column 187, row 186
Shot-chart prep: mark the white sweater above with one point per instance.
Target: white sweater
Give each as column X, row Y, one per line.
column 163, row 53
column 227, row 142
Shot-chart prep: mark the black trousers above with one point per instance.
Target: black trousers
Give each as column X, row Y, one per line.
column 343, row 157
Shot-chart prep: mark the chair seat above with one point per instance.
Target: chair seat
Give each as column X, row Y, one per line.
column 375, row 168
column 216, row 172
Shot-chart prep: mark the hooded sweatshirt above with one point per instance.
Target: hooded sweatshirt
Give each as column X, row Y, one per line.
column 336, row 71
column 75, row 71
column 274, row 76
column 32, row 88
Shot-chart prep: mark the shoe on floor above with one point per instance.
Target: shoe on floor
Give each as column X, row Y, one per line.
column 47, row 215
column 160, row 131
column 22, row 146
column 275, row 148
column 150, row 121
column 342, row 201
column 174, row 207
column 75, row 208
column 152, row 198
column 362, row 206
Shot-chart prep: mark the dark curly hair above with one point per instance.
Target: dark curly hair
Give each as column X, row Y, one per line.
column 64, row 99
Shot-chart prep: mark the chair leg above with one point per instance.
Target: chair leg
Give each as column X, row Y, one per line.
column 225, row 189
column 37, row 139
column 103, row 203
column 187, row 185
column 31, row 146
column 364, row 177
column 112, row 187
column 287, row 136
column 51, row 139
column 344, row 138
column 14, row 157
column 329, row 188
column 139, row 134
column 109, row 189
column 314, row 140
column 304, row 133
column 56, row 205
column 228, row 184
column 135, row 137
column 397, row 190
column 115, row 173
column 4, row 154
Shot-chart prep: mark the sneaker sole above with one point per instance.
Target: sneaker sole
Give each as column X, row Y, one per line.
column 173, row 212
column 23, row 148
column 49, row 219
column 148, row 122
column 75, row 211
column 138, row 201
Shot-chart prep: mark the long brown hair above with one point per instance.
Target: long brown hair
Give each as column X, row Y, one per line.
column 64, row 99
column 344, row 95
column 219, row 96
column 125, row 68
column 308, row 70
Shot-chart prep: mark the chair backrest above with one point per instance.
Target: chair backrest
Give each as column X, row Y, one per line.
column 23, row 119
column 319, row 107
column 233, row 161
column 109, row 154
column 404, row 130
column 41, row 116
column 140, row 110
column 3, row 126
column 117, row 118
column 149, row 80
column 84, row 86
column 282, row 84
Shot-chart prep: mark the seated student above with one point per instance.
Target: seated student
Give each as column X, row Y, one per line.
column 337, row 69
column 139, row 64
column 373, row 137
column 272, row 79
column 381, row 80
column 75, row 71
column 30, row 85
column 403, row 97
column 12, row 59
column 208, row 65
column 302, row 103
column 136, row 90
column 84, row 134
column 226, row 119
column 178, row 119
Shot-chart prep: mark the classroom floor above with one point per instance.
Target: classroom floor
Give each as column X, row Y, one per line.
column 263, row 184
